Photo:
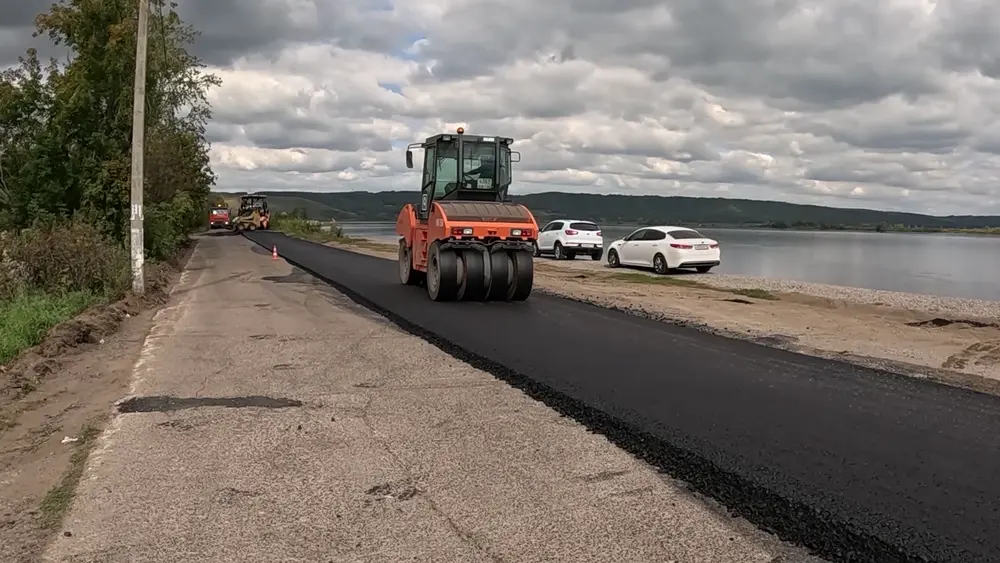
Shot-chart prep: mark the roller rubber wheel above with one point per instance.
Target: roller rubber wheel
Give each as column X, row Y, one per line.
column 442, row 273
column 499, row 276
column 408, row 275
column 523, row 276
column 473, row 286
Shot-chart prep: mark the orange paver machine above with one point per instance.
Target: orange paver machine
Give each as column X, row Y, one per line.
column 465, row 240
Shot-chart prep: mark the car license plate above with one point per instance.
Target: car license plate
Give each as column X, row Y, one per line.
column 701, row 247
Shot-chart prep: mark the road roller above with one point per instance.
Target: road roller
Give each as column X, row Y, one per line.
column 465, row 240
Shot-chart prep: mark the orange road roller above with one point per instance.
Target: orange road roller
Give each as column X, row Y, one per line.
column 465, row 241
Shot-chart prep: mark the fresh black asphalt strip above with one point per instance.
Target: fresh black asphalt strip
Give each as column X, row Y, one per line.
column 855, row 464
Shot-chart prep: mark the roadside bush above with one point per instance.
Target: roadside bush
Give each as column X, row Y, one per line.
column 167, row 226
column 162, row 233
column 303, row 228
column 63, row 257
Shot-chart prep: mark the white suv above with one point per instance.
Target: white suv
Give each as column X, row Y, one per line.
column 566, row 238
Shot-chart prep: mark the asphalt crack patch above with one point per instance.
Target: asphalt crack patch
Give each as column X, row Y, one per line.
column 401, row 491
column 166, row 403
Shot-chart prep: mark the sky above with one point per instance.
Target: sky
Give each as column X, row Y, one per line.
column 891, row 104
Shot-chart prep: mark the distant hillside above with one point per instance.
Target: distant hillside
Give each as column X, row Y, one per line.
column 621, row 209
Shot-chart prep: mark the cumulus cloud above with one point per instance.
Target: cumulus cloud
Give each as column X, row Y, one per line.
column 891, row 104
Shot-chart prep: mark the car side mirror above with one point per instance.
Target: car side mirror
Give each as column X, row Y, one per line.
column 409, row 159
column 515, row 154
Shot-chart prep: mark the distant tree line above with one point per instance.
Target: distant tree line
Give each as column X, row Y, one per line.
column 640, row 210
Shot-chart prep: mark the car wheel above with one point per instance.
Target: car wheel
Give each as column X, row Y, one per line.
column 538, row 251
column 597, row 255
column 558, row 252
column 660, row 264
column 613, row 260
column 703, row 269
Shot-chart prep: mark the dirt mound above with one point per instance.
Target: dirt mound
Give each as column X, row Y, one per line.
column 22, row 374
column 938, row 322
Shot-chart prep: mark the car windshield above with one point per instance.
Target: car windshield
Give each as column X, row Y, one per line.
column 584, row 227
column 685, row 234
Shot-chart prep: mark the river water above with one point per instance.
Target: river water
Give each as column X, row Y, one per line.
column 937, row 264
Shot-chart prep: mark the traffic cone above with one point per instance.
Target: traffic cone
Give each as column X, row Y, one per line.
column 274, row 252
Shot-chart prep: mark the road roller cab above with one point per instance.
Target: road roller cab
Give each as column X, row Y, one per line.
column 464, row 240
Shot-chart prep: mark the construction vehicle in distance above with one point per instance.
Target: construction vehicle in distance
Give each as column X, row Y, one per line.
column 252, row 214
column 218, row 217
column 465, row 240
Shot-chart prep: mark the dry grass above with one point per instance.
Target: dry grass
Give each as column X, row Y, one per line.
column 58, row 500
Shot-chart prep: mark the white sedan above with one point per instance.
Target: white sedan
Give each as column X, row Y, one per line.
column 664, row 249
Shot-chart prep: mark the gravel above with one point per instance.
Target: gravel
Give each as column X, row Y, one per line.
column 934, row 304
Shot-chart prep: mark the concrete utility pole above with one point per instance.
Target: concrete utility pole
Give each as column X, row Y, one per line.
column 138, row 149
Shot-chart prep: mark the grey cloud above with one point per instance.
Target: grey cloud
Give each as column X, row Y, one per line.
column 21, row 14
column 337, row 137
column 831, row 53
column 234, row 28
column 971, row 36
column 938, row 136
column 17, row 23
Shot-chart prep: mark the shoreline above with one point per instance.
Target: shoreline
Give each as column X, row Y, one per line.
column 974, row 307
column 950, row 340
column 970, row 232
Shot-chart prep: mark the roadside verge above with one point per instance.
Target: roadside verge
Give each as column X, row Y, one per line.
column 55, row 398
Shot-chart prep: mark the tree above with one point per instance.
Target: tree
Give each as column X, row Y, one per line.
column 65, row 128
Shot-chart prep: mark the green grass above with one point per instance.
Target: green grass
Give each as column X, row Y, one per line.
column 25, row 319
column 301, row 228
column 59, row 498
column 636, row 277
column 755, row 293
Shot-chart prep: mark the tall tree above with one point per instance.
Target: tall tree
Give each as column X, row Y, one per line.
column 66, row 127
